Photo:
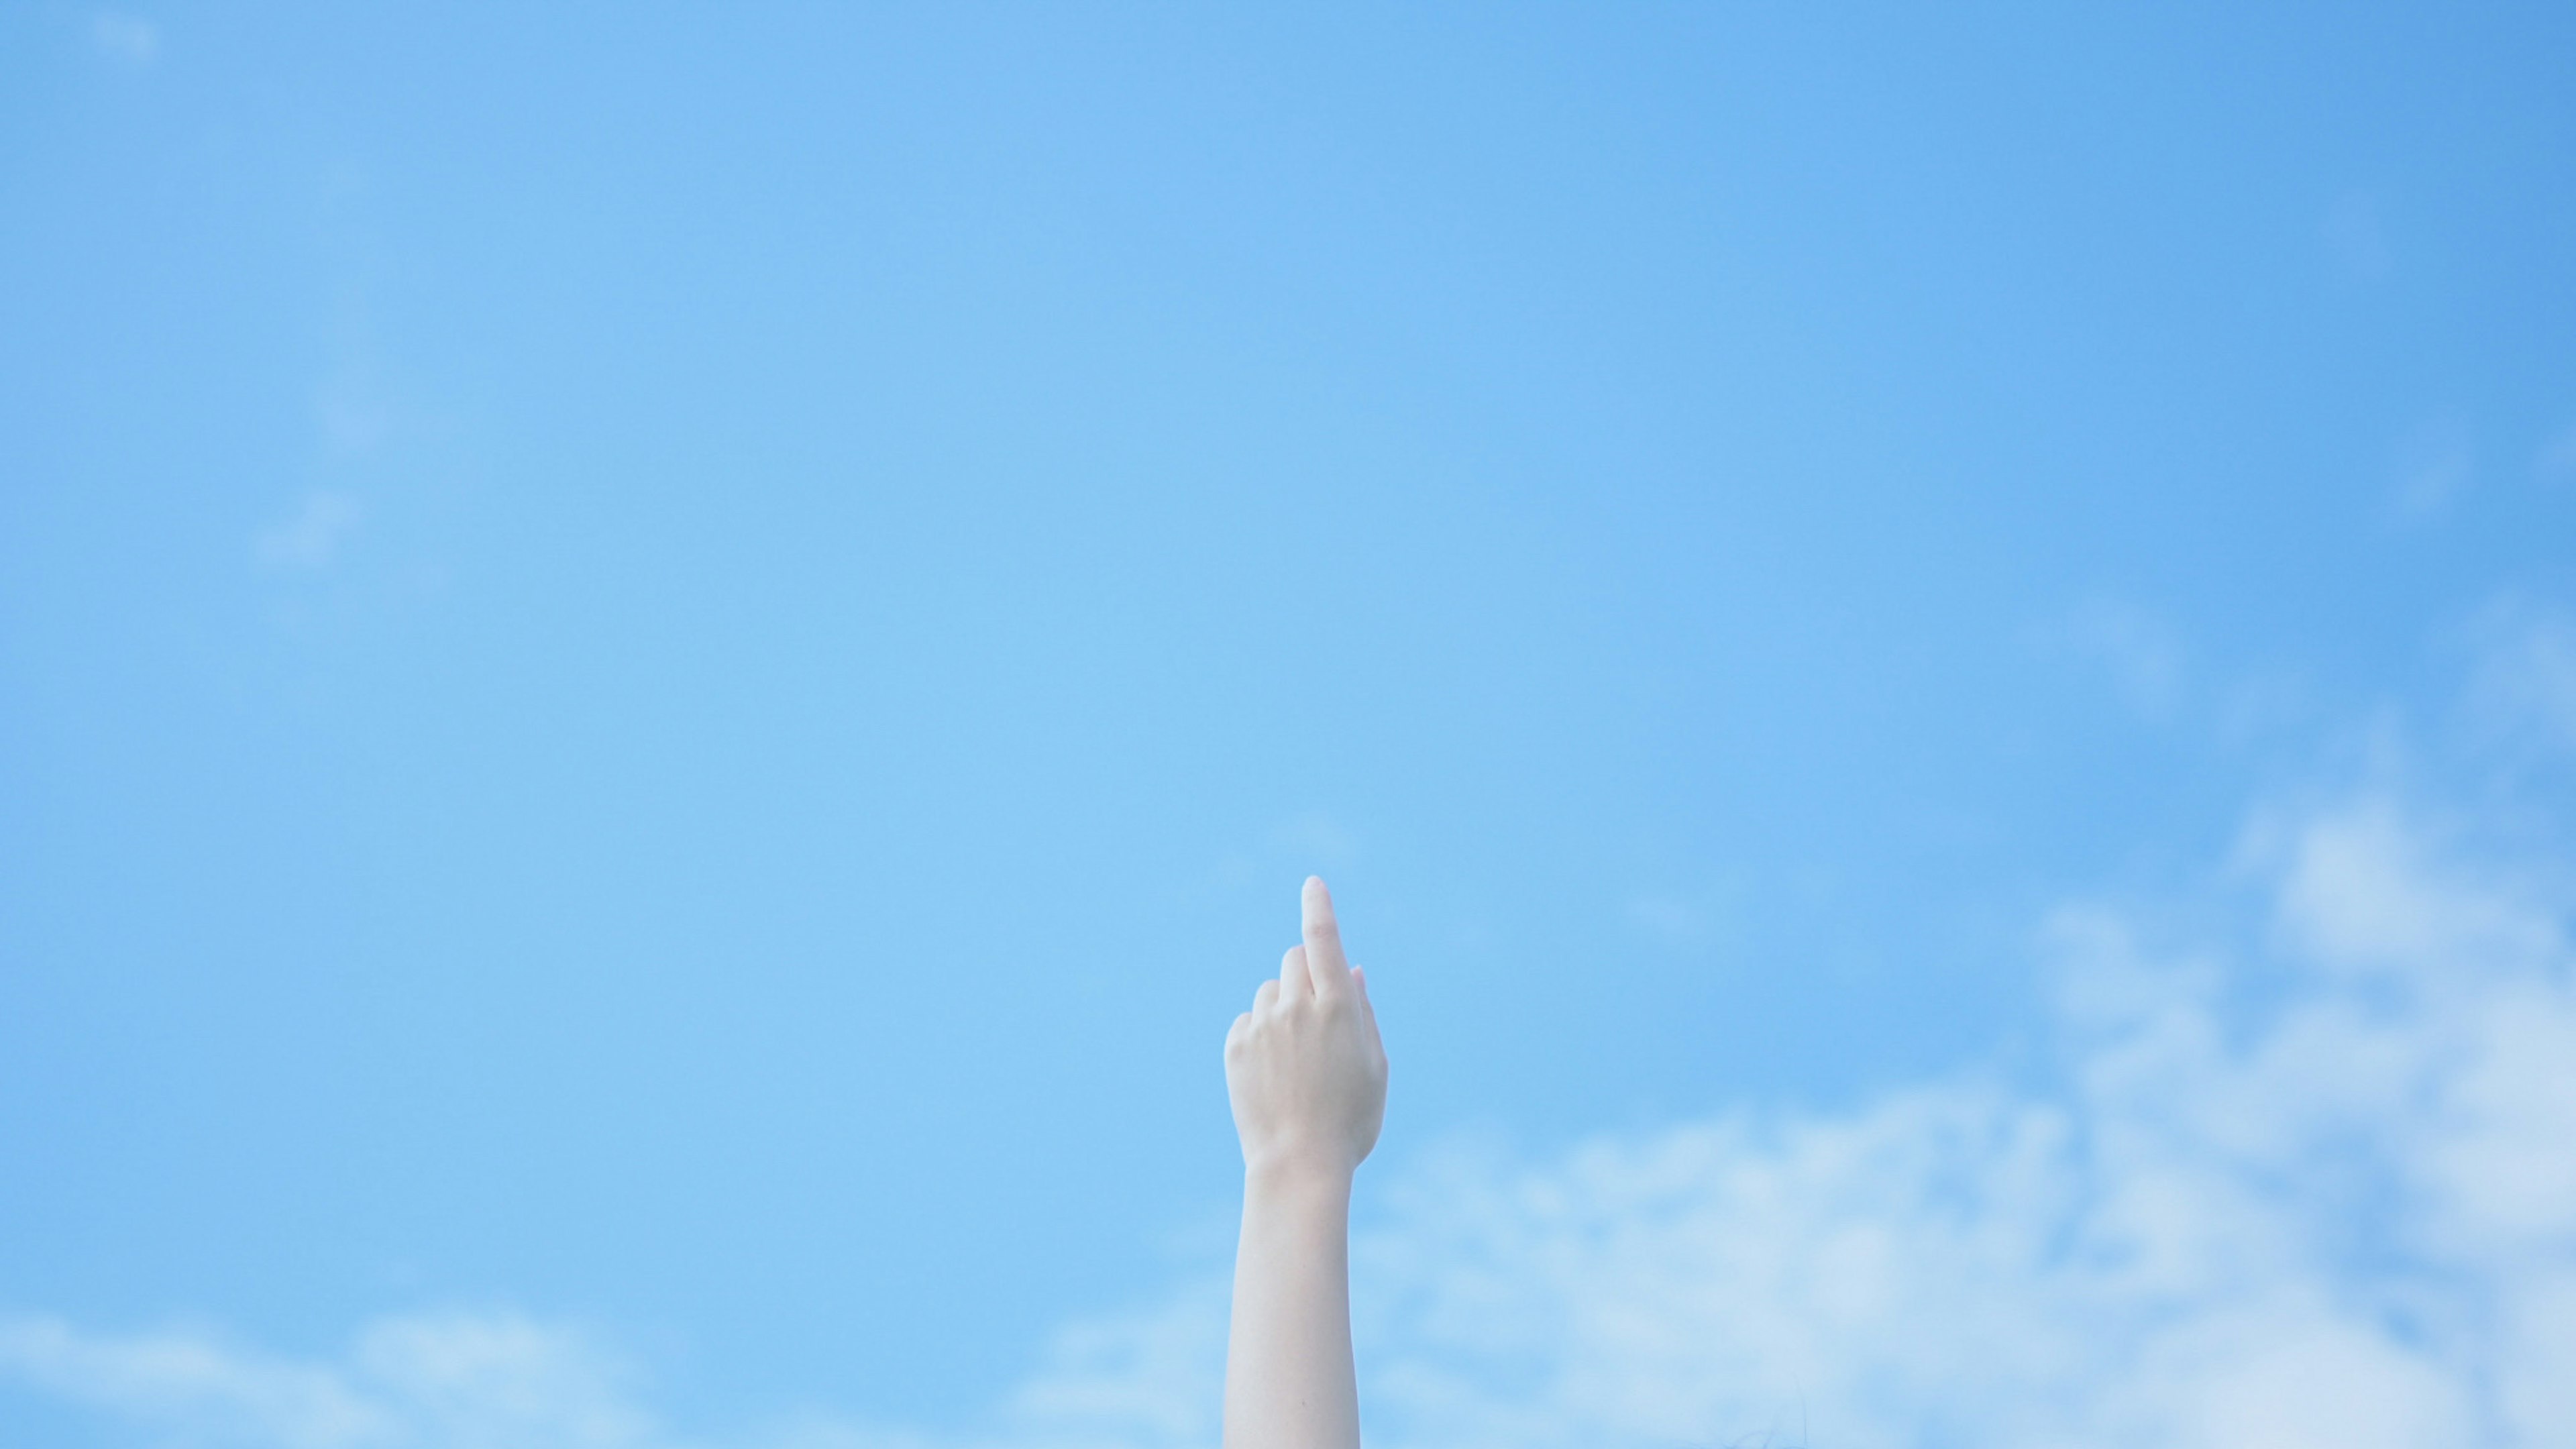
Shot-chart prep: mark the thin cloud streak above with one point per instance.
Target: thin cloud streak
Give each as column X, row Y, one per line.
column 310, row 537
column 126, row 39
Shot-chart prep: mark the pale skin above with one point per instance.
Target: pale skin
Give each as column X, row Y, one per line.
column 1307, row 1076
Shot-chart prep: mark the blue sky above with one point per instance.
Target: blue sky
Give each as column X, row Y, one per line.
column 662, row 676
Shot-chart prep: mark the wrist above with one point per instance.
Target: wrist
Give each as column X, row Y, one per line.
column 1298, row 1175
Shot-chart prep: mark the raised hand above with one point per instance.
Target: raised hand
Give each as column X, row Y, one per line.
column 1308, row 1081
column 1304, row 1067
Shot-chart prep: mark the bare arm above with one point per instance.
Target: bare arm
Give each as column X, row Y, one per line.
column 1307, row 1076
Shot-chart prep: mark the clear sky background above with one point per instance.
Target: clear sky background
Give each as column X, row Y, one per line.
column 664, row 673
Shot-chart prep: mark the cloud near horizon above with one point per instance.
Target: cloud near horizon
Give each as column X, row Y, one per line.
column 2299, row 1176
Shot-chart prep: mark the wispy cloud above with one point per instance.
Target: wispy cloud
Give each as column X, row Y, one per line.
column 310, row 537
column 499, row 1380
column 2139, row 651
column 1317, row 836
column 2557, row 459
column 2350, row 1225
column 1666, row 917
column 2435, row 465
column 125, row 39
column 2522, row 687
column 185, row 1379
column 2299, row 1175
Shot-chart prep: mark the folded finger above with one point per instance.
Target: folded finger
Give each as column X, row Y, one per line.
column 1294, row 980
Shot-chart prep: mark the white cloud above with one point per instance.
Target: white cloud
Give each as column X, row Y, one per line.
column 2299, row 1176
column 1151, row 1376
column 311, row 536
column 503, row 1381
column 127, row 39
column 194, row 1382
column 2353, row 1223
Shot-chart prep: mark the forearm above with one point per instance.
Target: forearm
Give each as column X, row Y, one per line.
column 1289, row 1379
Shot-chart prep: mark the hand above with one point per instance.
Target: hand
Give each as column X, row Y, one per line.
column 1304, row 1067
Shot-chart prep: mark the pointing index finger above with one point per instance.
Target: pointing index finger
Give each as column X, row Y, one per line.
column 1323, row 935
